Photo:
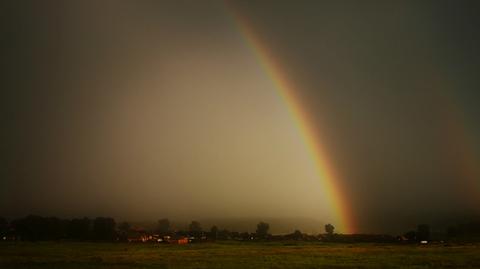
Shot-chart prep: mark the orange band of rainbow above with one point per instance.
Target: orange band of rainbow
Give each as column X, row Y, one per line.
column 286, row 91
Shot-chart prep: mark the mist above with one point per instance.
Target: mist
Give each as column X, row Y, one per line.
column 145, row 110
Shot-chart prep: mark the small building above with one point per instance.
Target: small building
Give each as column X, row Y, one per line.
column 139, row 235
column 179, row 241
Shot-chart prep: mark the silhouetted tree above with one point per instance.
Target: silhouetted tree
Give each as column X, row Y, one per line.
column 34, row 228
column 3, row 227
column 245, row 236
column 214, row 232
column 55, row 228
column 224, row 234
column 297, row 235
column 329, row 229
column 79, row 229
column 466, row 231
column 195, row 228
column 104, row 228
column 411, row 235
column 163, row 226
column 31, row 228
column 22, row 229
column 423, row 232
column 124, row 229
column 262, row 230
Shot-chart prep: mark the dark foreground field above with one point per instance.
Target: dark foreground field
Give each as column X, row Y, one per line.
column 235, row 255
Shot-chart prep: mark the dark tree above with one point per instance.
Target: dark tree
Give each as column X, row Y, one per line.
column 79, row 229
column 297, row 235
column 3, row 227
column 245, row 236
column 468, row 230
column 35, row 228
column 329, row 229
column 123, row 230
column 124, row 227
column 31, row 228
column 262, row 230
column 224, row 234
column 163, row 226
column 235, row 235
column 214, row 232
column 104, row 228
column 411, row 236
column 423, row 232
column 55, row 228
column 195, row 228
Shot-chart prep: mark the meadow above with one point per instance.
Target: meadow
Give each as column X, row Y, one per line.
column 232, row 254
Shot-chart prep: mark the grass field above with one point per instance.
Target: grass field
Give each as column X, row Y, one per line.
column 235, row 255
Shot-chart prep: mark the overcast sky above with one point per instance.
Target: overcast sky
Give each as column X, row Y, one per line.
column 149, row 109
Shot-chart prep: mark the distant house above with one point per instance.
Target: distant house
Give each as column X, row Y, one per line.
column 179, row 241
column 139, row 235
column 196, row 239
column 402, row 238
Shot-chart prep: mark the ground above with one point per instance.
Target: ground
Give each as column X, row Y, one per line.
column 67, row 255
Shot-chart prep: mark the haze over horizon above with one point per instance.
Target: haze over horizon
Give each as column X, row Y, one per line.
column 144, row 110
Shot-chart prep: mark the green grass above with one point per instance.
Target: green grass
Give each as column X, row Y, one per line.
column 235, row 255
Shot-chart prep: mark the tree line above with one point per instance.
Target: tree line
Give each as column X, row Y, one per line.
column 38, row 228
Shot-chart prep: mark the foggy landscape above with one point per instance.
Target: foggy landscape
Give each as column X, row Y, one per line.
column 360, row 114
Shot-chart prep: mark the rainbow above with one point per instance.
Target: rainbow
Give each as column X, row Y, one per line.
column 459, row 137
column 286, row 90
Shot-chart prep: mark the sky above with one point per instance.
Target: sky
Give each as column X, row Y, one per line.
column 149, row 109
